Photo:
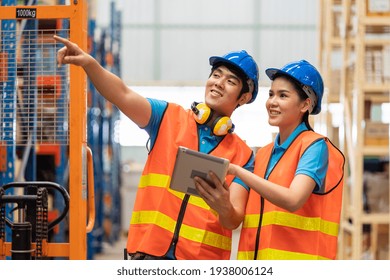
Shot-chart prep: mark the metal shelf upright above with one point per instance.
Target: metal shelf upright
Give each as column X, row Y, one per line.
column 102, row 126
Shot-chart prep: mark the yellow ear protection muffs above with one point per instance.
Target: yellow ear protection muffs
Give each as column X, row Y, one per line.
column 203, row 114
column 222, row 126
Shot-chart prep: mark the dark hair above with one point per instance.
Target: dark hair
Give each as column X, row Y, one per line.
column 236, row 71
column 302, row 95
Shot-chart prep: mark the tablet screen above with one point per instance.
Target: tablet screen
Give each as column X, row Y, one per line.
column 190, row 163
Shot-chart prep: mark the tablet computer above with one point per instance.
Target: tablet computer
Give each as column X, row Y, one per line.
column 190, row 163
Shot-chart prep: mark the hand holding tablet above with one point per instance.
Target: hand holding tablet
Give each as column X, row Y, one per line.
column 190, row 163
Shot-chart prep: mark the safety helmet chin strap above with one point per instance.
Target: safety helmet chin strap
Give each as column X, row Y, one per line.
column 312, row 96
column 251, row 85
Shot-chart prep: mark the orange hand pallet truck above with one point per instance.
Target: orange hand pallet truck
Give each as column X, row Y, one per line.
column 54, row 116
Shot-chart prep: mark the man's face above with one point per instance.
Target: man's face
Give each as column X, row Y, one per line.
column 222, row 90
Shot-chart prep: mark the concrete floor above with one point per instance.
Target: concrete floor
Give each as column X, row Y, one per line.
column 115, row 251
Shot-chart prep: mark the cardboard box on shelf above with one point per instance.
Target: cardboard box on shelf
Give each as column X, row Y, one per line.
column 386, row 64
column 376, row 133
column 378, row 7
column 377, row 191
column 3, row 67
column 383, row 242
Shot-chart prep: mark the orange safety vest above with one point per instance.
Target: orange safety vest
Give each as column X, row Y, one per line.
column 162, row 217
column 270, row 232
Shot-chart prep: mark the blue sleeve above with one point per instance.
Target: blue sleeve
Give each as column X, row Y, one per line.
column 314, row 163
column 158, row 108
column 250, row 167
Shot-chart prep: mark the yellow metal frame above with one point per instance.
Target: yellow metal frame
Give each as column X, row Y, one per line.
column 80, row 156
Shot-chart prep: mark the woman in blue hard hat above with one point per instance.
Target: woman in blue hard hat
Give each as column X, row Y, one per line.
column 166, row 224
column 294, row 205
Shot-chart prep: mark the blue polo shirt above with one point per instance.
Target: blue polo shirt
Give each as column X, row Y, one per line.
column 313, row 163
column 207, row 140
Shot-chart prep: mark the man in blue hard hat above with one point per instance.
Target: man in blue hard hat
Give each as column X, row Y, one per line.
column 166, row 224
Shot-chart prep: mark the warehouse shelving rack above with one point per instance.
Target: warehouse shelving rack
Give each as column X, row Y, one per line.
column 354, row 33
column 102, row 125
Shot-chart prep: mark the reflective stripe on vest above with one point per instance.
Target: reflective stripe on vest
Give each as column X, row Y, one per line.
column 190, row 233
column 274, row 254
column 162, row 181
column 294, row 221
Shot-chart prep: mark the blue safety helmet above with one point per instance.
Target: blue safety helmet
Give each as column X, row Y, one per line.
column 306, row 75
column 244, row 62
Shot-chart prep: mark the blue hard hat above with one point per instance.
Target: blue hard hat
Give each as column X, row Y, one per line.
column 308, row 77
column 244, row 62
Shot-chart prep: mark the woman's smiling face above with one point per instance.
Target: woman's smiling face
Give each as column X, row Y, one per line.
column 284, row 106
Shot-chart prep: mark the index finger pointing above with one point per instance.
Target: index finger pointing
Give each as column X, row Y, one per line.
column 62, row 40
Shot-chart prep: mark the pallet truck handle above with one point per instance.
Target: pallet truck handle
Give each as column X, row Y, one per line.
column 45, row 184
column 91, row 192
